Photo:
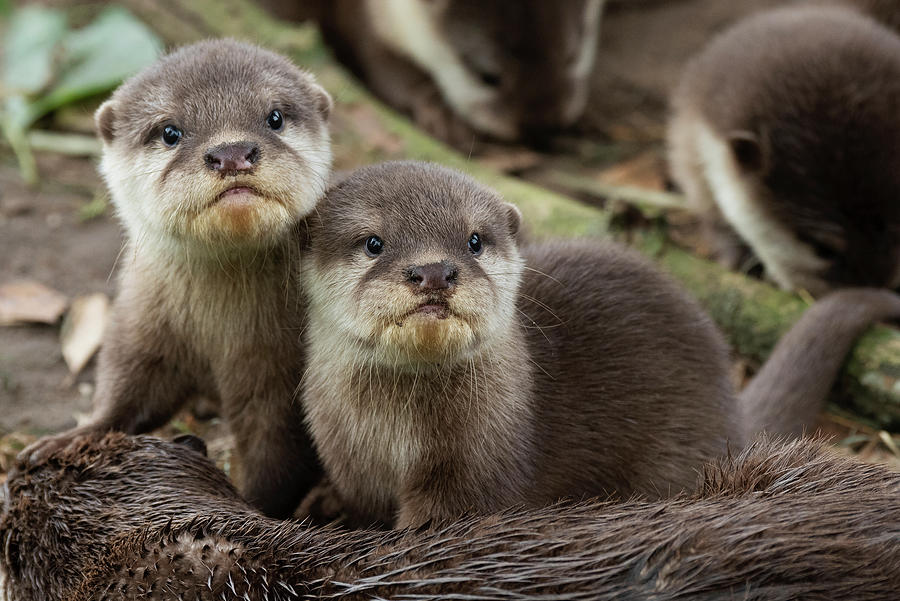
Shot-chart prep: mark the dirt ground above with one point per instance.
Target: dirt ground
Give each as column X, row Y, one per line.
column 44, row 235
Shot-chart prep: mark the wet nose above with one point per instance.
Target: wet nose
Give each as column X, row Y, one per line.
column 432, row 277
column 233, row 157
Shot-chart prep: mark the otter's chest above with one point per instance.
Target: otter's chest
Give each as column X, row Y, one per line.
column 225, row 319
column 370, row 450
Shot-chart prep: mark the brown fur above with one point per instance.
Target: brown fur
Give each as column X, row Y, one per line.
column 119, row 517
column 806, row 99
column 503, row 47
column 582, row 371
column 209, row 299
column 884, row 11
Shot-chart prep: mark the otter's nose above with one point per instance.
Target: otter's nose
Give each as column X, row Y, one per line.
column 432, row 277
column 233, row 157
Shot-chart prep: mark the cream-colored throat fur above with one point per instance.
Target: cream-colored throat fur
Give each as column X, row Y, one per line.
column 789, row 262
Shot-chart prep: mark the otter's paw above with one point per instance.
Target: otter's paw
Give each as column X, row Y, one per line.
column 432, row 114
column 42, row 449
column 322, row 505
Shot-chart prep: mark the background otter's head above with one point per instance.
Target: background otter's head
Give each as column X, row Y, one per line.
column 219, row 143
column 413, row 263
column 58, row 518
column 507, row 67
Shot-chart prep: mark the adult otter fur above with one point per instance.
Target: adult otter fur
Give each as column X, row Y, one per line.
column 213, row 156
column 464, row 65
column 785, row 136
column 451, row 370
column 118, row 517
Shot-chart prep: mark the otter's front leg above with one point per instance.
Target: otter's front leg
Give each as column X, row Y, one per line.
column 448, row 489
column 278, row 463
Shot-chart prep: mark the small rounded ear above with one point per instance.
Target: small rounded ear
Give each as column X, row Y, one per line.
column 324, row 103
column 192, row 442
column 514, row 218
column 105, row 118
column 747, row 150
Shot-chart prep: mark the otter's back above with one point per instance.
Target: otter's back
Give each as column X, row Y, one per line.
column 624, row 361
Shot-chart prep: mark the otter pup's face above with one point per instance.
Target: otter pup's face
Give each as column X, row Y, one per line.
column 412, row 264
column 220, row 143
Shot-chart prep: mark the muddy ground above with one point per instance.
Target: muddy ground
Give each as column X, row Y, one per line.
column 46, row 236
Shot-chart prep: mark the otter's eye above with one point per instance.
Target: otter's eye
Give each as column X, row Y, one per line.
column 475, row 244
column 171, row 135
column 374, row 246
column 275, row 120
column 491, row 80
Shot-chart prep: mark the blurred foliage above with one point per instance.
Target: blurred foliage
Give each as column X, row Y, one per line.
column 46, row 66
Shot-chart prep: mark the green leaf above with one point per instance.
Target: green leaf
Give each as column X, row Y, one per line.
column 32, row 42
column 98, row 57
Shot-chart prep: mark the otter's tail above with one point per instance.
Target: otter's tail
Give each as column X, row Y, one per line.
column 788, row 392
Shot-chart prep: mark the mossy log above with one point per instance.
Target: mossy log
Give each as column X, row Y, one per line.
column 752, row 313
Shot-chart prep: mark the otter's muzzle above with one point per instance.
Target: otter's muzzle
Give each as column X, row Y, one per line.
column 232, row 158
column 432, row 277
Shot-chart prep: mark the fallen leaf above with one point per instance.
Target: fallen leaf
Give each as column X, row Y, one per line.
column 82, row 330
column 510, row 160
column 642, row 171
column 369, row 127
column 27, row 301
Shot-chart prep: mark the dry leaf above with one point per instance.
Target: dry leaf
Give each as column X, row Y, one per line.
column 82, row 330
column 369, row 127
column 642, row 171
column 27, row 301
column 510, row 160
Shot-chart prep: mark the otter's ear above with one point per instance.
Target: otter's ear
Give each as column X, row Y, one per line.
column 748, row 151
column 192, row 442
column 514, row 218
column 105, row 118
column 324, row 103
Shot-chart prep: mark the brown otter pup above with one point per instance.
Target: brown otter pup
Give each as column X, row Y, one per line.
column 478, row 59
column 213, row 156
column 117, row 517
column 785, row 135
column 450, row 370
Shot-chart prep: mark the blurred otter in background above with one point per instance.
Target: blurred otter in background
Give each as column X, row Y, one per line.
column 786, row 132
column 511, row 69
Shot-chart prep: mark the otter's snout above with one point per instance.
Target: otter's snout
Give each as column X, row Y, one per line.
column 232, row 158
column 432, row 277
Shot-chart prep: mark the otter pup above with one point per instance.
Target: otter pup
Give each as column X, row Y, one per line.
column 785, row 133
column 450, row 370
column 116, row 517
column 213, row 156
column 478, row 59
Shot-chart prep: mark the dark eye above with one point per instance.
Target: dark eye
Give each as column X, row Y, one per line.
column 475, row 244
column 171, row 135
column 489, row 79
column 374, row 246
column 275, row 120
